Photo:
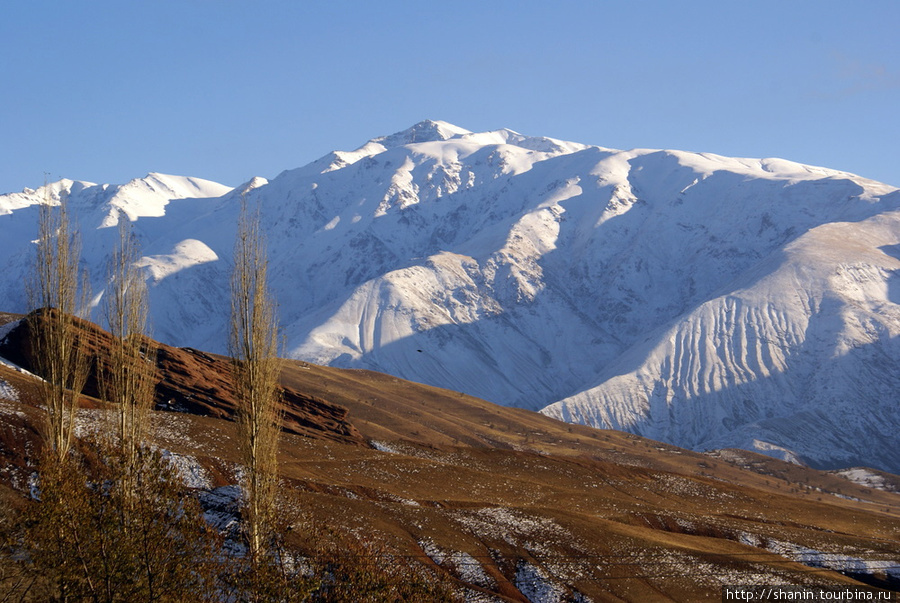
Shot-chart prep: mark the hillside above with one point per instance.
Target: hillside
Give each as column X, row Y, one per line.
column 696, row 299
column 508, row 504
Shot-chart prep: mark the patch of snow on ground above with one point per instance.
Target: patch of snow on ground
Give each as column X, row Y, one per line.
column 462, row 564
column 383, row 447
column 835, row 561
column 682, row 486
column 8, row 391
column 172, row 428
column 221, row 508
column 703, row 572
column 865, row 477
column 501, row 522
column 749, row 539
column 90, row 422
column 536, row 585
column 7, row 406
column 192, row 473
column 776, row 451
column 34, row 486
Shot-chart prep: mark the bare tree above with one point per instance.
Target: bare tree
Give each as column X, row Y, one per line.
column 57, row 293
column 253, row 346
column 78, row 545
column 128, row 379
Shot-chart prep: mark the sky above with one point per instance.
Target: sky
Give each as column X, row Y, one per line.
column 106, row 91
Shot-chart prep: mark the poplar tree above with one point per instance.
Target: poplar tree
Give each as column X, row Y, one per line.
column 127, row 381
column 253, row 346
column 57, row 292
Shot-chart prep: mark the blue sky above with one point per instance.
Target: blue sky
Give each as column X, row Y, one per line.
column 107, row 91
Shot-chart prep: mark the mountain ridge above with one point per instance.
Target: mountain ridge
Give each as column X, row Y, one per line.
column 546, row 274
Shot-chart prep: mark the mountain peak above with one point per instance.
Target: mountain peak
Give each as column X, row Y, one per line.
column 424, row 131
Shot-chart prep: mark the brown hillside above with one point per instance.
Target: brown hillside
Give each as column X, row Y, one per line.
column 508, row 504
column 194, row 382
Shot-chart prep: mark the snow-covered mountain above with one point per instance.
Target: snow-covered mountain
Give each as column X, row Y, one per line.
column 698, row 299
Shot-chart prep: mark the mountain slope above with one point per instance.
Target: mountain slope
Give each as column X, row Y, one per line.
column 503, row 503
column 152, row 203
column 704, row 300
column 797, row 358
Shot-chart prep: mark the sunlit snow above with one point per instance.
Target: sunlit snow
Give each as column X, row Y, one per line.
column 702, row 300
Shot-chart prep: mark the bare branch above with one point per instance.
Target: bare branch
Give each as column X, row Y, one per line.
column 128, row 382
column 58, row 292
column 256, row 367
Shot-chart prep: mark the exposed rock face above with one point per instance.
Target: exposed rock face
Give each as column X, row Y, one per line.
column 191, row 381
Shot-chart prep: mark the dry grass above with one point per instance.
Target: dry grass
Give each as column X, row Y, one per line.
column 503, row 501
